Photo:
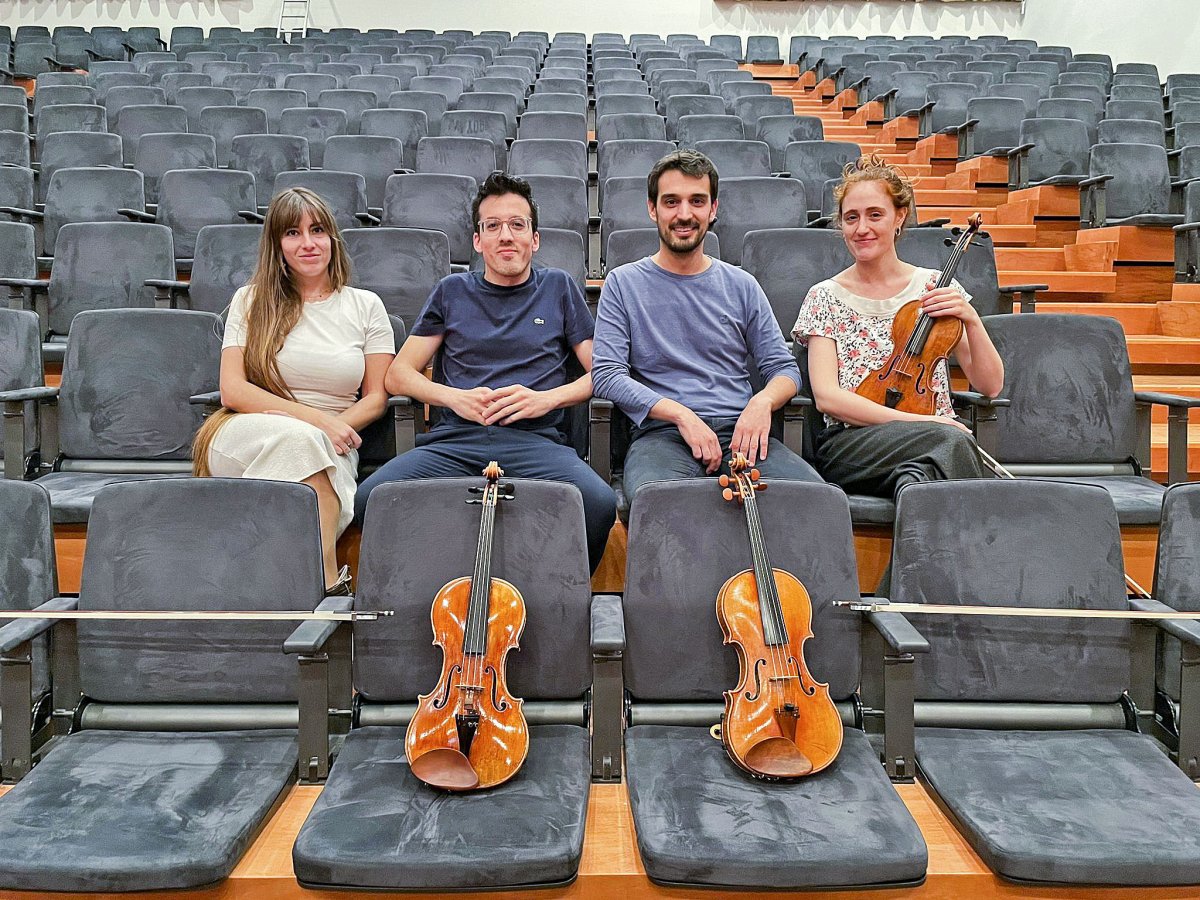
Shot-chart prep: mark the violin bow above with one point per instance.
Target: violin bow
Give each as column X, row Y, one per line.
column 207, row 615
column 948, row 609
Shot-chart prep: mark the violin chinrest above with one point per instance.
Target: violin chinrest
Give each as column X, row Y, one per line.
column 445, row 768
column 777, row 757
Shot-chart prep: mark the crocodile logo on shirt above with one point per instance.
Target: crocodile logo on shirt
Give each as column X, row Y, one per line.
column 539, row 321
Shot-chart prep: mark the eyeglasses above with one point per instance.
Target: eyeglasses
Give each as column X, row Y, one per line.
column 516, row 225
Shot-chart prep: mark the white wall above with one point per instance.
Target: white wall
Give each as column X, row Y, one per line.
column 1168, row 36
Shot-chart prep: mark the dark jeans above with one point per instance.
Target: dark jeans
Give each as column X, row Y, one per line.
column 463, row 450
column 659, row 453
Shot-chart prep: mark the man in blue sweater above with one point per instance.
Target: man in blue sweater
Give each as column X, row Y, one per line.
column 499, row 342
column 676, row 336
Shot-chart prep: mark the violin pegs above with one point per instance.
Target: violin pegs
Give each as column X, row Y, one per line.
column 754, row 474
column 727, row 493
column 723, row 481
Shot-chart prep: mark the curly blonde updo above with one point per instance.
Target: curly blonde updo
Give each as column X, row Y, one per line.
column 873, row 168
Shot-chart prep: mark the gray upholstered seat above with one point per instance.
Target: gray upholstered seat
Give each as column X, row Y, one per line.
column 189, row 199
column 171, row 806
column 1074, row 412
column 401, row 265
column 699, row 819
column 226, row 256
column 1175, row 578
column 94, row 194
column 812, row 163
column 123, row 412
column 375, row 157
column 267, row 155
column 631, row 244
column 931, row 248
column 434, row 201
column 1082, row 804
column 1129, row 184
column 375, row 825
column 779, row 131
column 754, row 203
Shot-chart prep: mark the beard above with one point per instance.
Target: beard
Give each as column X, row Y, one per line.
column 683, row 245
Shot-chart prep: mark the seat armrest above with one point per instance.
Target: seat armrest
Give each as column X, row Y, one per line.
column 974, row 398
column 1023, row 288
column 21, row 213
column 252, row 216
column 23, row 395
column 608, row 625
column 1186, row 227
column 800, row 401
column 1095, row 179
column 136, row 215
column 209, row 398
column 366, row 218
column 933, row 223
column 1166, row 399
column 15, row 633
column 1017, row 151
column 167, row 291
column 1185, row 630
column 899, row 633
column 310, row 637
column 167, row 284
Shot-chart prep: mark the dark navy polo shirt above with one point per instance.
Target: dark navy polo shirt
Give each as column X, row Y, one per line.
column 495, row 336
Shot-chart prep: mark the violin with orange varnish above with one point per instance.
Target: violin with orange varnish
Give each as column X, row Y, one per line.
column 779, row 722
column 470, row 732
column 919, row 343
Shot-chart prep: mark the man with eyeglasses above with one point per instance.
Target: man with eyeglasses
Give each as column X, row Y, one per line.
column 500, row 342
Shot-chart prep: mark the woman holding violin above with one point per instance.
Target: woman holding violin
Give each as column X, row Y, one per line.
column 875, row 446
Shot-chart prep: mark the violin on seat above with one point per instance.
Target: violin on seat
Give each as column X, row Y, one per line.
column 470, row 732
column 779, row 722
column 919, row 343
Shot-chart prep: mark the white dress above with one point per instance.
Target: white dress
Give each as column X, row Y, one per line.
column 322, row 362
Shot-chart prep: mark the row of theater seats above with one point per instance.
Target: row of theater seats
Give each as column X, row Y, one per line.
column 162, row 747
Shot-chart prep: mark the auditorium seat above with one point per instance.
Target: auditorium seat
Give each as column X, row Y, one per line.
column 692, row 129
column 622, row 206
column 431, row 103
column 401, row 265
column 751, row 109
column 118, row 98
column 72, row 149
column 400, row 71
column 531, row 830
column 27, row 580
column 265, row 156
column 548, row 156
column 353, row 103
column 16, row 119
column 688, row 801
column 21, row 380
column 812, row 163
column 316, row 125
column 763, row 49
column 738, row 158
column 434, row 201
column 748, row 204
column 134, row 121
column 375, row 157
column 69, row 117
column 407, row 125
column 1187, row 236
column 174, row 82
column 1073, row 413
column 1058, row 151
column 273, row 101
column 112, row 799
column 226, row 256
column 1131, row 131
column 631, row 244
column 997, row 128
column 779, row 131
column 476, row 157
column 731, row 91
column 634, row 126
column 225, row 123
column 87, row 195
column 570, row 126
column 1128, row 184
column 59, row 94
column 1023, row 724
column 1085, row 111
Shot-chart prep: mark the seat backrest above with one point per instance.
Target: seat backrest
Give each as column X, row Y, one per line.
column 779, row 131
column 313, row 83
column 27, row 563
column 395, row 662
column 127, row 377
column 628, row 245
column 999, row 121
column 449, row 86
column 548, row 156
column 475, row 157
column 70, row 117
column 636, row 126
column 401, row 265
column 431, row 103
column 486, row 124
column 408, row 125
column 152, row 545
column 751, row 109
column 70, row 149
column 225, row 123
column 1029, row 94
column 1013, row 543
column 931, row 248
column 787, row 262
column 690, row 130
column 748, row 204
column 1141, row 182
column 434, row 201
column 675, row 571
column 622, row 205
column 731, row 90
column 1177, row 566
column 1071, row 389
column 622, row 104
column 226, row 256
column 354, row 103
column 273, row 101
column 1060, row 147
column 1131, row 131
column 738, row 158
column 812, row 163
column 1085, row 111
column 562, row 202
column 134, row 121
column 1147, row 110
column 314, row 124
column 266, row 155
column 375, row 157
column 189, row 199
column 556, row 125
column 89, row 195
column 621, row 158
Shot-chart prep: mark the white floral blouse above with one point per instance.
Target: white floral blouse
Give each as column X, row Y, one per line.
column 862, row 330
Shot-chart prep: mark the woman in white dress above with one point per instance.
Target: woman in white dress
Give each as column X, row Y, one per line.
column 846, row 322
column 302, row 368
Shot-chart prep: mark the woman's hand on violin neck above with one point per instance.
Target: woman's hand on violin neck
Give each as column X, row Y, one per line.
column 752, row 433
column 948, row 301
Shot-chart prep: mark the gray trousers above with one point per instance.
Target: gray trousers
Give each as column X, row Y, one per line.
column 878, row 460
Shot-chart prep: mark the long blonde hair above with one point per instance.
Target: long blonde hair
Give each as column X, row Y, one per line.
column 274, row 303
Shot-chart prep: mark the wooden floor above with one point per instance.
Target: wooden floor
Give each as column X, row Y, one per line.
column 611, row 867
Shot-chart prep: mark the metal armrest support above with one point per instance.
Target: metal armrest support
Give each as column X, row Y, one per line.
column 167, row 291
column 1177, row 428
column 1026, row 293
column 407, row 422
column 1188, row 633
column 14, row 426
column 1093, row 207
column 21, row 395
column 253, row 216
column 794, row 412
column 136, row 215
column 16, row 633
column 980, row 412
column 18, row 212
column 1016, row 164
column 366, row 218
column 210, row 398
column 600, row 437
column 894, row 688
column 316, row 688
column 608, row 686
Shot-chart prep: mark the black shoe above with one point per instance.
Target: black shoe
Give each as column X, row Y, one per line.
column 342, row 587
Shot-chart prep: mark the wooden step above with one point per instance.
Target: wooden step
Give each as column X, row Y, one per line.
column 1134, row 243
column 1135, row 318
column 1143, row 283
column 1186, row 292
column 1094, row 256
column 1042, row 259
column 1017, row 236
column 1061, row 282
column 1179, row 318
column 1159, row 354
column 1158, row 447
column 1051, row 201
column 928, row 196
column 957, row 215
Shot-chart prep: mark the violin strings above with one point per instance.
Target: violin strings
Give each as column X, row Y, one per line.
column 765, row 579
